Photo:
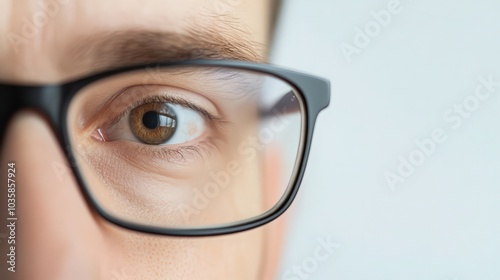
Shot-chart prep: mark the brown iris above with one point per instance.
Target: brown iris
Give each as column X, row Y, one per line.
column 153, row 123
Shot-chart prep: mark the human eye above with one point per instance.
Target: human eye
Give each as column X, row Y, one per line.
column 157, row 121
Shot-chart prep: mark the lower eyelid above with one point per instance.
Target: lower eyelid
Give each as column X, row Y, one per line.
column 174, row 162
column 180, row 155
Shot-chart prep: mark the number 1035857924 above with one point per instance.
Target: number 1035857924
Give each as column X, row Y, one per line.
column 11, row 189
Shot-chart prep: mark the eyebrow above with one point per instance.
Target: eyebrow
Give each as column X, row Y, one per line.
column 110, row 50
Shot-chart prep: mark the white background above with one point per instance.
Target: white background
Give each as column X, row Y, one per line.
column 443, row 222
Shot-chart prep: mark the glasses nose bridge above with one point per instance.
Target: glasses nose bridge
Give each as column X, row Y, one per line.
column 46, row 100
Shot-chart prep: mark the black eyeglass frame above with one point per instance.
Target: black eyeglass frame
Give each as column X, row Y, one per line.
column 53, row 101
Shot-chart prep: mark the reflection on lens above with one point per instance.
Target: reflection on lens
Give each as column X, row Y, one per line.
column 200, row 147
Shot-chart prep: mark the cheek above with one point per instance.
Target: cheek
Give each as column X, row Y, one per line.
column 207, row 192
column 140, row 256
column 236, row 256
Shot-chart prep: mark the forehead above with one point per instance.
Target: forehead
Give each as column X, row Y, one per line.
column 49, row 42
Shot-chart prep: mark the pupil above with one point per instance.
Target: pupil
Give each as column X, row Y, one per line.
column 150, row 120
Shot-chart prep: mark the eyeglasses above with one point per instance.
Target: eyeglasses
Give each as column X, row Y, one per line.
column 187, row 148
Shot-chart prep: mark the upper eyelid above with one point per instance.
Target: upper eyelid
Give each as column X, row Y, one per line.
column 106, row 107
column 165, row 99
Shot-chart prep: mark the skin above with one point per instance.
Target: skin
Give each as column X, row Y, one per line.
column 60, row 236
